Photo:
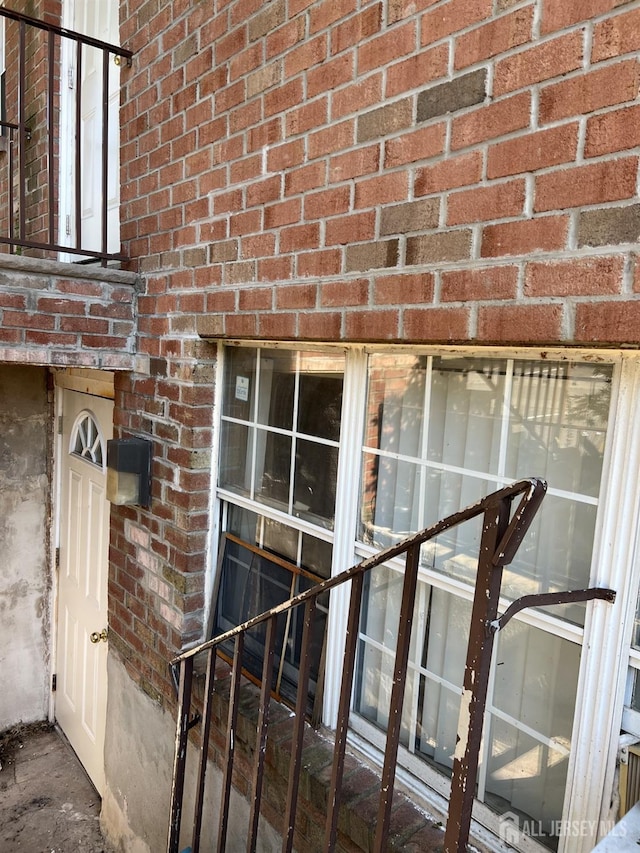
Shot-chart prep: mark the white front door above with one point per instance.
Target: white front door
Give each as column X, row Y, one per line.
column 81, row 692
column 98, row 19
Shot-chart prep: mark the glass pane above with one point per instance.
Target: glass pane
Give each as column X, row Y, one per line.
column 272, row 479
column 235, row 462
column 320, row 399
column 395, row 403
column 314, row 495
column 239, row 383
column 277, row 388
column 557, row 424
column 635, row 640
column 555, row 555
column 465, row 413
column 317, row 556
column 390, row 500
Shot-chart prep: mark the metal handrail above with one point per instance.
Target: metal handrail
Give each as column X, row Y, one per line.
column 20, row 132
column 503, row 531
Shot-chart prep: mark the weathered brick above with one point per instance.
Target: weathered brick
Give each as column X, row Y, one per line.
column 533, row 151
column 403, row 289
column 415, row 145
column 385, row 120
column 410, row 217
column 267, row 20
column 589, row 92
column 372, row 325
column 450, row 17
column 367, row 256
column 436, row 325
column 442, row 246
column 609, row 226
column 610, row 180
column 479, row 284
column 578, row 277
column 454, row 172
column 494, row 201
column 452, row 96
column 428, row 65
column 608, row 322
column 493, row 38
column 491, row 121
column 504, row 323
column 557, row 16
column 613, row 131
column 320, row 325
column 546, row 234
column 616, row 36
column 542, row 62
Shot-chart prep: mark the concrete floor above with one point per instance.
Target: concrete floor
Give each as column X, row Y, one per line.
column 47, row 803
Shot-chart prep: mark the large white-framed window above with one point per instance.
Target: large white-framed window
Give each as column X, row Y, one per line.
column 424, row 432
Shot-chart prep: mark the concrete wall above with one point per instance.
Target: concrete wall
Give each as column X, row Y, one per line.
column 24, row 545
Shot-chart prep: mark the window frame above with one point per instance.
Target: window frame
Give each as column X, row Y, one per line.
column 606, row 635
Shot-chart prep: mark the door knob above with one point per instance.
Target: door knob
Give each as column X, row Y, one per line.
column 96, row 636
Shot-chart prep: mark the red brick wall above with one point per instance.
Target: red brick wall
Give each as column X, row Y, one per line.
column 434, row 171
column 462, row 170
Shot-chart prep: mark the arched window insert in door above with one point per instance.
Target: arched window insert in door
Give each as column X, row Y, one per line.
column 87, row 440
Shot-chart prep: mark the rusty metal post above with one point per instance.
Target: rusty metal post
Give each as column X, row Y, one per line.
column 476, row 679
column 180, row 758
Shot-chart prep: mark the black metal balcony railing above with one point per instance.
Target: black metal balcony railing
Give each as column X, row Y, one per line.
column 32, row 137
column 502, row 533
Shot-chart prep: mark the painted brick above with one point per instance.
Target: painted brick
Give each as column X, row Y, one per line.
column 556, row 16
column 610, row 226
column 381, row 190
column 410, row 217
column 533, row 151
column 456, row 94
column 616, row 36
column 543, row 62
column 428, row 66
column 496, row 37
column 608, row 321
column 437, row 324
column 435, row 248
column 368, row 256
column 414, row 146
column 455, row 172
column 479, row 284
column 372, row 325
column 453, row 16
column 581, row 277
column 385, row 120
column 504, row 323
column 547, row 233
column 495, row 201
column 391, row 45
column 610, row 180
column 404, row 289
column 590, row 92
column 613, row 131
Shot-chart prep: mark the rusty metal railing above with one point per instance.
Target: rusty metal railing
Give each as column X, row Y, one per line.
column 30, row 128
column 503, row 530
